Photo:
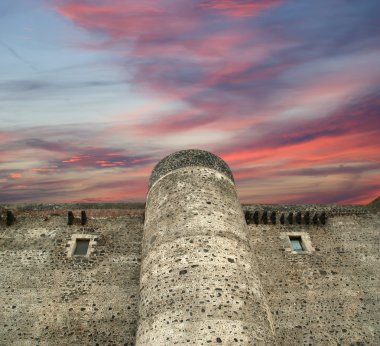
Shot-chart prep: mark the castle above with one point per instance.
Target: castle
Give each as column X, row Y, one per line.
column 190, row 267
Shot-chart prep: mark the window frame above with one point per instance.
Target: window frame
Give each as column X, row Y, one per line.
column 72, row 244
column 298, row 240
column 305, row 242
column 78, row 246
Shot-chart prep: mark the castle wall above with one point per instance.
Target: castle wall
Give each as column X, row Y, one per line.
column 50, row 298
column 330, row 295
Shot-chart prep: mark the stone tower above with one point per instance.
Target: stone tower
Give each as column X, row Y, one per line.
column 198, row 283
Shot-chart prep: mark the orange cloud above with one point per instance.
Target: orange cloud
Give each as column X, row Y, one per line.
column 272, row 99
column 72, row 159
column 15, row 175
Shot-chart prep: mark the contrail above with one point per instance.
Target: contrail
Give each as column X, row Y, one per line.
column 17, row 56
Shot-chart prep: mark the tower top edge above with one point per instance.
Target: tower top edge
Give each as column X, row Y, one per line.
column 187, row 158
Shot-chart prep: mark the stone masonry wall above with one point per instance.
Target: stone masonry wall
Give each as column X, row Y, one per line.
column 329, row 295
column 48, row 298
column 198, row 283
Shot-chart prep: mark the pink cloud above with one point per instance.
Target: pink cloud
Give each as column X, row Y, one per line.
column 181, row 59
column 4, row 136
column 72, row 159
column 15, row 175
column 240, row 8
column 44, row 170
column 288, row 137
column 125, row 19
column 339, row 152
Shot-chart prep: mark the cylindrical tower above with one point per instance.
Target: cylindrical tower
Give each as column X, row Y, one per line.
column 198, row 284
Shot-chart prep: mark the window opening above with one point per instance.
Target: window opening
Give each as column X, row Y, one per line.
column 296, row 243
column 81, row 247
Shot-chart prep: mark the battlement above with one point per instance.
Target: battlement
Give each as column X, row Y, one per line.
column 307, row 214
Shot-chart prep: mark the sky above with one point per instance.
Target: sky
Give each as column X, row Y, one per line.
column 94, row 93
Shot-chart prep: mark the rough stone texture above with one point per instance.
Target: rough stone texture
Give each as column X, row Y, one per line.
column 51, row 299
column 198, row 284
column 185, row 158
column 329, row 296
column 216, row 281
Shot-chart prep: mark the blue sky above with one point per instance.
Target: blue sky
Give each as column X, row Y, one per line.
column 94, row 93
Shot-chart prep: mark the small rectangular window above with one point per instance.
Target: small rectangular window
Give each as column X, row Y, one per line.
column 296, row 243
column 81, row 247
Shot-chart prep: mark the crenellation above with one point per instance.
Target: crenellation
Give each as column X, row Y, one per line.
column 70, row 218
column 83, row 217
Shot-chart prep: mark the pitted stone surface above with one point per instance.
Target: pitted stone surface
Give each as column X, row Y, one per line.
column 49, row 298
column 186, row 158
column 329, row 297
column 198, row 281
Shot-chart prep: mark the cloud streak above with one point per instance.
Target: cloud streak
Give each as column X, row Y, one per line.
column 290, row 100
column 240, row 8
